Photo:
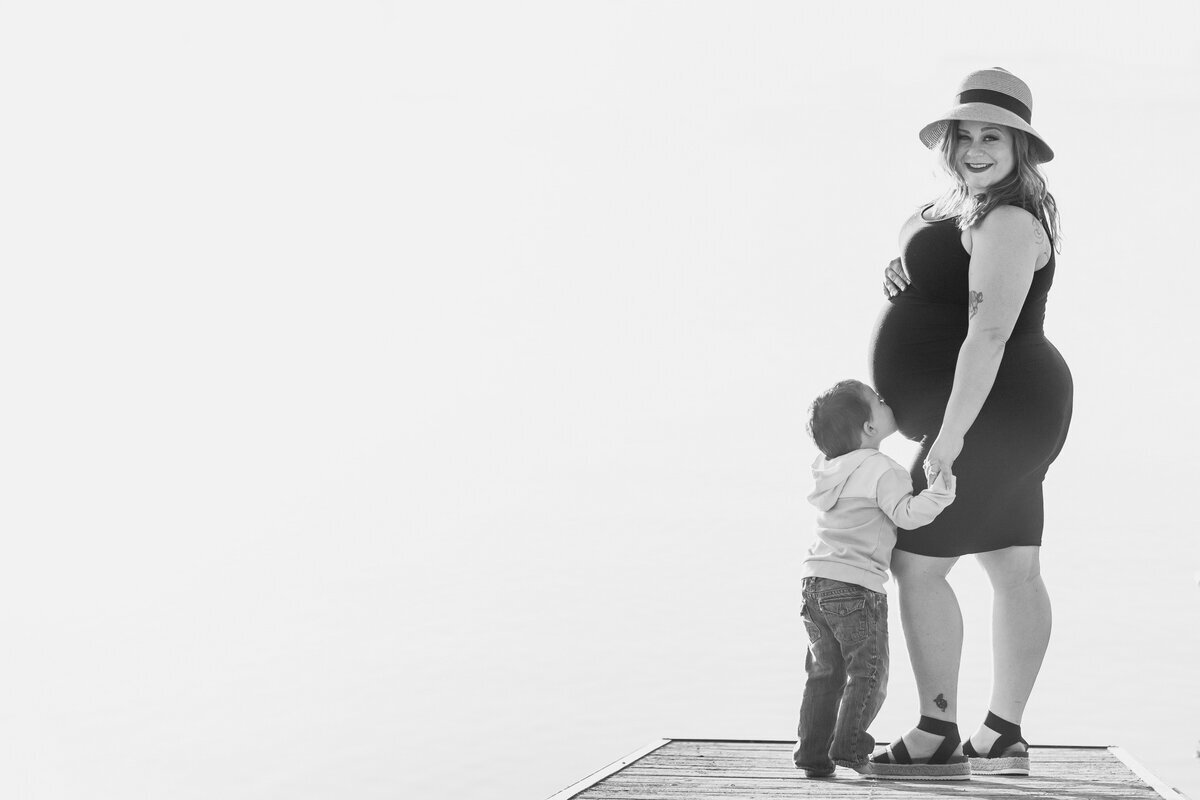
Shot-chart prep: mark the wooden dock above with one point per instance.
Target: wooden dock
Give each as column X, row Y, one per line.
column 719, row 769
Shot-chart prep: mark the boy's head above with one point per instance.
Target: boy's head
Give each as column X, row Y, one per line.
column 849, row 416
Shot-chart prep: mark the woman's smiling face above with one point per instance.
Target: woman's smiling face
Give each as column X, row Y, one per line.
column 983, row 154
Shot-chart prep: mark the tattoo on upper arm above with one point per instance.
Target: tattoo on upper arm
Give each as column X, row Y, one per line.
column 1039, row 236
column 974, row 298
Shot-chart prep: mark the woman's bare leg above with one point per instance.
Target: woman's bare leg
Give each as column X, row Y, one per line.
column 933, row 629
column 1021, row 621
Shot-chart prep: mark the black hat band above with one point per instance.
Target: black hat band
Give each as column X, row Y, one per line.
column 1005, row 101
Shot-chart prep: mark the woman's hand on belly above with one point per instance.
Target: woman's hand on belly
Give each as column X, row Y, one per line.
column 942, row 456
column 895, row 278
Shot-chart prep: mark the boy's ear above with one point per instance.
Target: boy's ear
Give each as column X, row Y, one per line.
column 869, row 430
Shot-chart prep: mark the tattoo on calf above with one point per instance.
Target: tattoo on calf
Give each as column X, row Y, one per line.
column 974, row 298
column 940, row 702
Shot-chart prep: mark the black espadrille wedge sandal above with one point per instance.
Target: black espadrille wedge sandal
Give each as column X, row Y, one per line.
column 895, row 764
column 1008, row 756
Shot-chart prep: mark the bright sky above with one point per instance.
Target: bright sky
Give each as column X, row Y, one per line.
column 330, row 324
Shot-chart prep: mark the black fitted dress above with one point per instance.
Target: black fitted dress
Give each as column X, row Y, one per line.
column 1022, row 424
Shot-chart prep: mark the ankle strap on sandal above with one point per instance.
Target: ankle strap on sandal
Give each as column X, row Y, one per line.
column 1002, row 726
column 1010, row 734
column 939, row 727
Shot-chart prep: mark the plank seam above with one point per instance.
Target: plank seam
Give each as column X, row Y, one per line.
column 1156, row 783
column 793, row 741
column 604, row 772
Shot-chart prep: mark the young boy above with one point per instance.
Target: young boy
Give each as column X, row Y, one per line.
column 862, row 495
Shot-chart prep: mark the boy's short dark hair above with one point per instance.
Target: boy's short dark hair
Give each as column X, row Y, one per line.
column 836, row 417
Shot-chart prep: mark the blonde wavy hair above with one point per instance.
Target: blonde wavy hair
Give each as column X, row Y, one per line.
column 1024, row 187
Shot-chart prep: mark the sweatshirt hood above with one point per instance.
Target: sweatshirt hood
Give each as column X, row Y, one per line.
column 830, row 474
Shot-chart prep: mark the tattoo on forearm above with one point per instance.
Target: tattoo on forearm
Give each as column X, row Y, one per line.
column 940, row 702
column 974, row 298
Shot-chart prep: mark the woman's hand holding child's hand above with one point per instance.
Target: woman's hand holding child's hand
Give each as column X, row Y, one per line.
column 941, row 457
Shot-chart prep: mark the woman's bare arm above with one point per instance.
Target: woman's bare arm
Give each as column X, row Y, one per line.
column 1004, row 253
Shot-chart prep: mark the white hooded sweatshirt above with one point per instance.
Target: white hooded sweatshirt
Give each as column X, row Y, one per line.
column 862, row 497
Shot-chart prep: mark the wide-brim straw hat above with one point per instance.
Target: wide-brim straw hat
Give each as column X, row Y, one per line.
column 992, row 95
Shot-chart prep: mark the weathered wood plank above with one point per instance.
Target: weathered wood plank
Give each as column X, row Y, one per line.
column 695, row 769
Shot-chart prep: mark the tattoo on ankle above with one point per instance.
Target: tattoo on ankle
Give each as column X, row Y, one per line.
column 940, row 701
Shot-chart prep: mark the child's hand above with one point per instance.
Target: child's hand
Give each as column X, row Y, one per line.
column 941, row 484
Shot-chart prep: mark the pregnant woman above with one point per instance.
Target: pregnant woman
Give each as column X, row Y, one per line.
column 960, row 356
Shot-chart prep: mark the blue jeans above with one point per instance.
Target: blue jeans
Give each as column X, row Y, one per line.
column 847, row 666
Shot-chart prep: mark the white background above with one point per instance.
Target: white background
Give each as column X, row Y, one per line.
column 408, row 399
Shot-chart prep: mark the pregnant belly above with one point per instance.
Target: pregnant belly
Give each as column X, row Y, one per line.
column 913, row 352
